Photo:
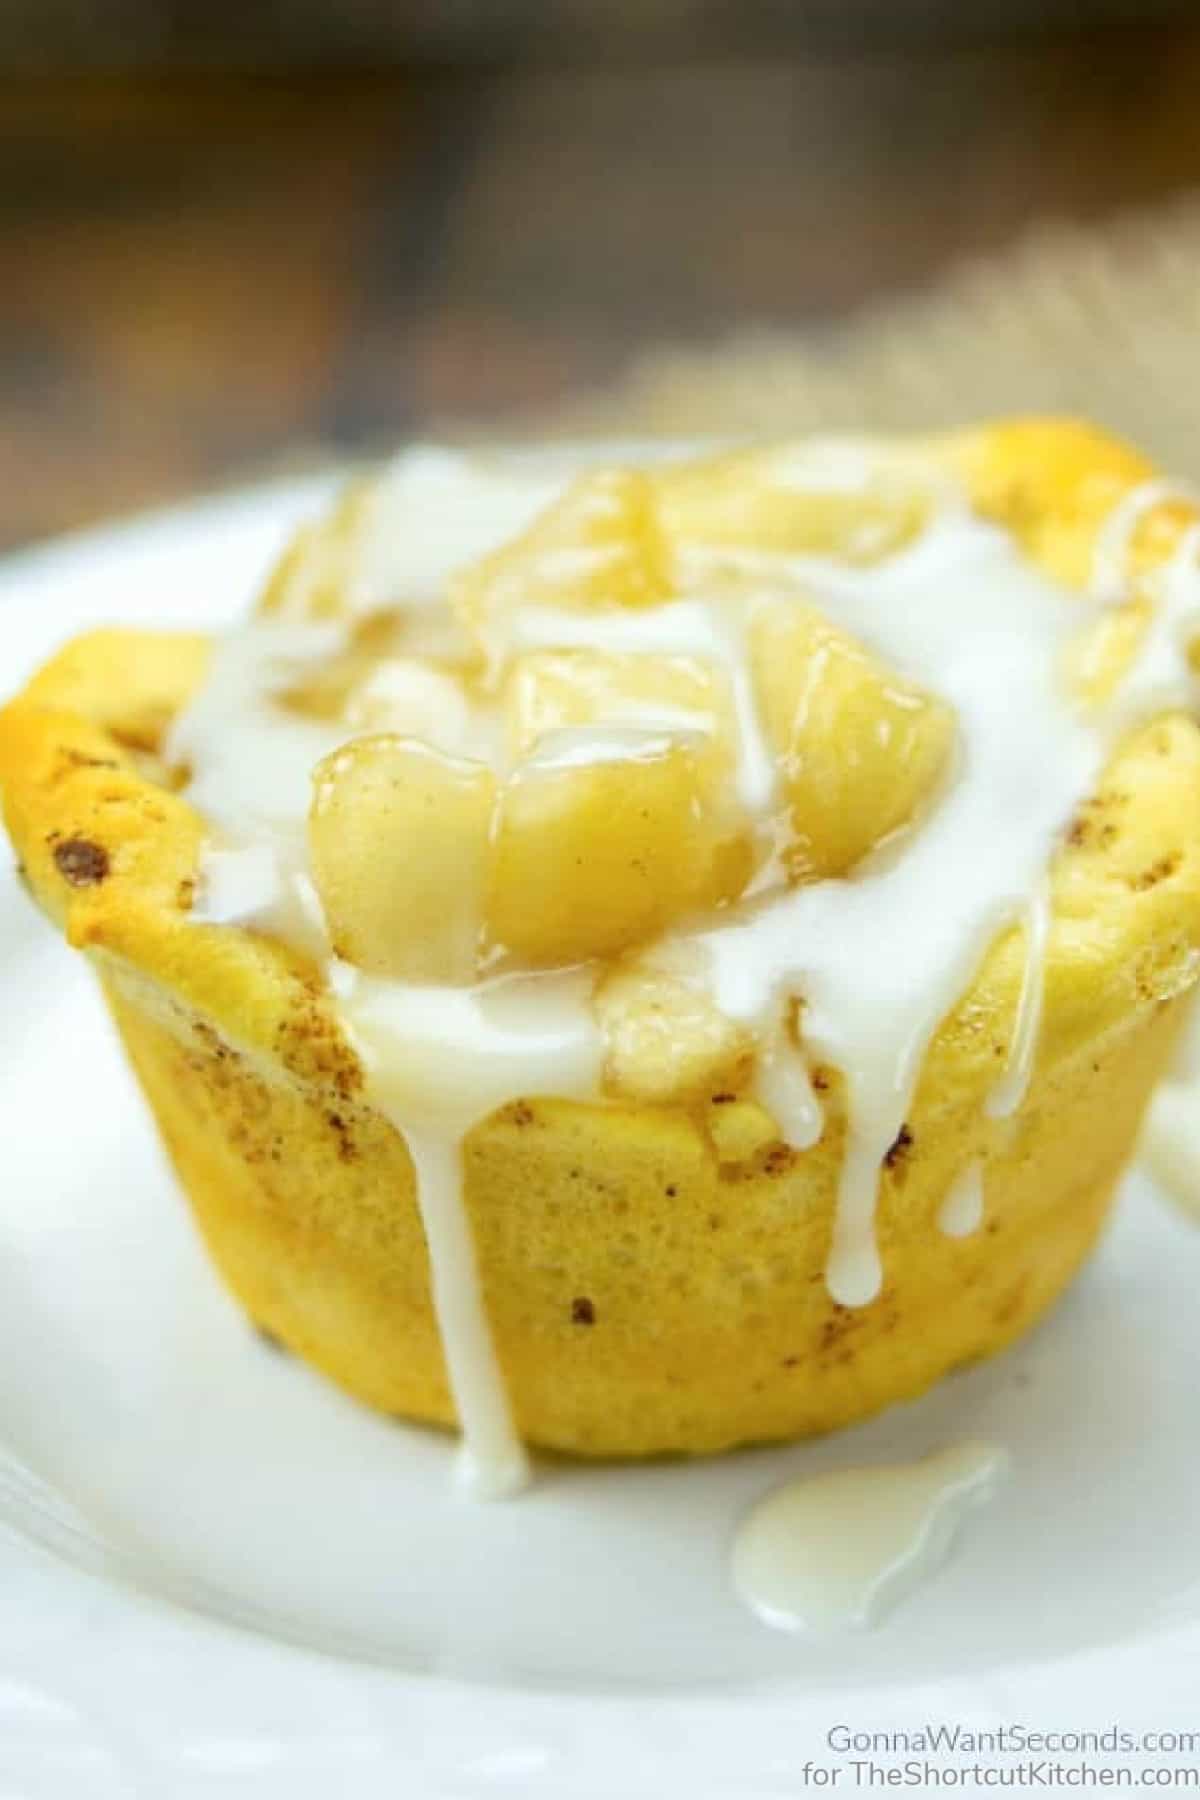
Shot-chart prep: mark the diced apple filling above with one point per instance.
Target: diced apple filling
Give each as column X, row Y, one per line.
column 598, row 546
column 860, row 749
column 754, row 502
column 603, row 839
column 315, row 578
column 398, row 834
column 619, row 814
column 552, row 690
column 665, row 1038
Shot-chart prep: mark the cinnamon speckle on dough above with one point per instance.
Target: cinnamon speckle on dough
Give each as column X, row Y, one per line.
column 347, row 1149
column 898, row 1149
column 79, row 759
column 81, row 862
column 1162, row 870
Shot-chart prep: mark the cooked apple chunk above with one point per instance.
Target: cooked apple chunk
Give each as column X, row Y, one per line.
column 860, row 749
column 780, row 502
column 553, row 690
column 398, row 834
column 603, row 838
column 666, row 1042
column 597, row 546
column 314, row 578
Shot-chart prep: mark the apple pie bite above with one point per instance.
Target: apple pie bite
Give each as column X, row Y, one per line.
column 577, row 937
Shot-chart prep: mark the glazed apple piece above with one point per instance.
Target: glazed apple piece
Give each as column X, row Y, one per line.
column 604, row 838
column 554, row 690
column 314, row 578
column 599, row 545
column 784, row 501
column 860, row 749
column 665, row 1040
column 398, row 834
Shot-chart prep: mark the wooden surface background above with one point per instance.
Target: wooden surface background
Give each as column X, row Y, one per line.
column 202, row 279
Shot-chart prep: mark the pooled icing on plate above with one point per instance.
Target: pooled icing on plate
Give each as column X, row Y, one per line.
column 875, row 960
column 838, row 1551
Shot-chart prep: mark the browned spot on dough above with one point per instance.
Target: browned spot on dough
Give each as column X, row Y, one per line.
column 1162, row 870
column 81, row 862
column 583, row 1312
column 521, row 1113
column 1012, row 1303
column 347, row 1149
column 79, row 759
column 898, row 1149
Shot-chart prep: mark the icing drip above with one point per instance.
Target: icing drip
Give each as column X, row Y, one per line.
column 786, row 1090
column 438, row 1060
column 961, row 1214
column 838, row 1551
column 251, row 759
column 1170, row 1143
column 1006, row 1097
column 711, row 628
column 880, row 958
column 492, row 1461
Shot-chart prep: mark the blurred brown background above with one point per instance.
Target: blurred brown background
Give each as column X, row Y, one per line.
column 223, row 249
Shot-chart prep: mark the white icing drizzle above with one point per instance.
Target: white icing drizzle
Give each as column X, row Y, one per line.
column 711, row 628
column 839, row 1550
column 881, row 958
column 583, row 746
column 786, row 1090
column 1161, row 679
column 1170, row 1144
column 1110, row 554
column 438, row 1060
column 1006, row 1097
column 251, row 759
column 961, row 1212
column 262, row 887
column 434, row 510
column 876, row 960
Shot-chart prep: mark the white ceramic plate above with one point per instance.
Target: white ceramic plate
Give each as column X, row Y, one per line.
column 220, row 1577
